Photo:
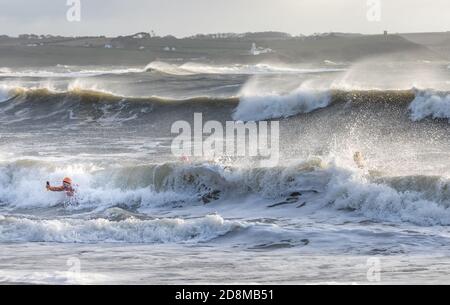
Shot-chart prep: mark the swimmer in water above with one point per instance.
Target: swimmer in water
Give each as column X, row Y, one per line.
column 65, row 187
column 359, row 160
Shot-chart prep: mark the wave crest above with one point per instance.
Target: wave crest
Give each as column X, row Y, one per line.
column 167, row 230
column 257, row 108
column 422, row 200
column 430, row 104
column 193, row 68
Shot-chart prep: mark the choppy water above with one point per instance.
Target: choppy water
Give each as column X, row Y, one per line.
column 141, row 215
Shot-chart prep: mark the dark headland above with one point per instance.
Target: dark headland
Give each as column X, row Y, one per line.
column 142, row 48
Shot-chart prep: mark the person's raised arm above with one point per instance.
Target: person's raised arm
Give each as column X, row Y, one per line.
column 55, row 188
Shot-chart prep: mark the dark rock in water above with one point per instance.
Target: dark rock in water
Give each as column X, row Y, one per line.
column 214, row 195
column 306, row 191
column 293, row 198
column 347, row 209
column 305, row 241
column 295, row 194
column 272, row 246
column 177, row 204
column 280, row 203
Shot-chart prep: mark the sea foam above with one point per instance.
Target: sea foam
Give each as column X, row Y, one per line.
column 273, row 106
column 430, row 104
column 165, row 230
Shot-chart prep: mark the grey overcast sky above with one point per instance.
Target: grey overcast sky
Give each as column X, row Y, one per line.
column 188, row 17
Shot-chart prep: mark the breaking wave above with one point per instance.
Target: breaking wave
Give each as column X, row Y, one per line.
column 191, row 68
column 257, row 108
column 21, row 104
column 423, row 103
column 5, row 93
column 131, row 230
column 64, row 71
column 88, row 106
column 422, row 200
column 85, row 95
column 430, row 104
column 188, row 68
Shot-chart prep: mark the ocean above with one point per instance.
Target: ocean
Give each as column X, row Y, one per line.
column 143, row 215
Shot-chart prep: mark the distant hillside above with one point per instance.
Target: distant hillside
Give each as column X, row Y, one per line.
column 142, row 48
column 438, row 42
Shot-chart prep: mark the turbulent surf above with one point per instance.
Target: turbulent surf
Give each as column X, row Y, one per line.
column 110, row 130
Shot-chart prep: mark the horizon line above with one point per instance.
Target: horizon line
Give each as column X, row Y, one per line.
column 229, row 33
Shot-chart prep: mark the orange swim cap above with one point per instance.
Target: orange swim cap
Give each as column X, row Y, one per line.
column 67, row 180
